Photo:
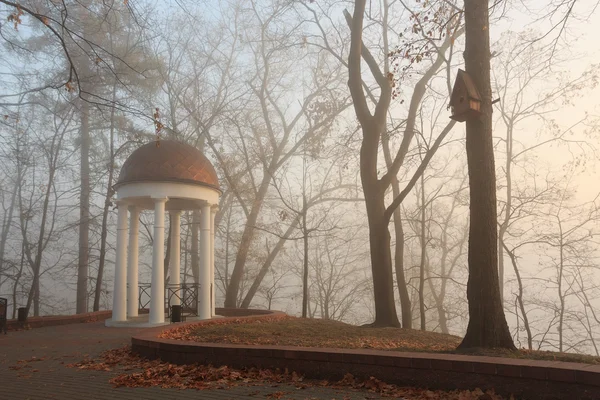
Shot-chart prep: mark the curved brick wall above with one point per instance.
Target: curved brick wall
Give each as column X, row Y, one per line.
column 528, row 379
column 53, row 320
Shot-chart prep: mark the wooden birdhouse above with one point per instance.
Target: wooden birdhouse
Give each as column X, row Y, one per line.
column 465, row 102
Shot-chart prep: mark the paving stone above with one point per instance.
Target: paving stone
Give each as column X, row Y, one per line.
column 65, row 344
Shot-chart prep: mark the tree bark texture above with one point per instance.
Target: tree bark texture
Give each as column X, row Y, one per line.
column 231, row 296
column 304, row 263
column 84, row 211
column 487, row 323
column 107, row 204
column 372, row 128
column 381, row 260
column 423, row 243
column 399, row 262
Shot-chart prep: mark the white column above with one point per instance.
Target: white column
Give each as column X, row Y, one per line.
column 132, row 263
column 212, row 260
column 204, row 296
column 157, row 290
column 175, row 259
column 119, row 311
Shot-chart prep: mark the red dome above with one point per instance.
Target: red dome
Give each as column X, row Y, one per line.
column 170, row 161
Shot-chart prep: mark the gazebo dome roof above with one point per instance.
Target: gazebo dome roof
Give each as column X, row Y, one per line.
column 168, row 161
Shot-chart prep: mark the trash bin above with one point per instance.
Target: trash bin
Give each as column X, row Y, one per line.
column 175, row 313
column 22, row 314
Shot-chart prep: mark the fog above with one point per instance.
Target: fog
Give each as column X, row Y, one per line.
column 261, row 87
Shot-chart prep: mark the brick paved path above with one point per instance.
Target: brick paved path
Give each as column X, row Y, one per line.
column 61, row 345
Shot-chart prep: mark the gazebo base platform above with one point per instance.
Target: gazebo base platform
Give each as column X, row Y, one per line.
column 142, row 321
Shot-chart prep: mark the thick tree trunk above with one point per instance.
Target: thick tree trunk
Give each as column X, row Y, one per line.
column 84, row 211
column 487, row 324
column 381, row 259
column 372, row 128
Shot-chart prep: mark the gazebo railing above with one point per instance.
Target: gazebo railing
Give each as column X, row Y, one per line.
column 186, row 293
column 144, row 296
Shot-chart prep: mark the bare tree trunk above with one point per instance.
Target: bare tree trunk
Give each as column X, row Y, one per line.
column 501, row 263
column 42, row 240
column 487, row 324
column 6, row 225
column 508, row 208
column 561, row 295
column 23, row 223
column 423, row 256
column 372, row 127
column 513, row 260
column 36, row 298
column 305, row 261
column 106, row 210
column 17, row 280
column 446, row 265
column 439, row 299
column 439, row 305
column 381, row 259
column 267, row 265
column 231, row 296
column 399, row 262
column 84, row 211
column 227, row 241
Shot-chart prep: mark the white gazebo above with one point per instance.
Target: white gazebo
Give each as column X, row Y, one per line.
column 163, row 176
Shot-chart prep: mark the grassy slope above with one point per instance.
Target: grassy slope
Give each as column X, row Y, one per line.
column 290, row 331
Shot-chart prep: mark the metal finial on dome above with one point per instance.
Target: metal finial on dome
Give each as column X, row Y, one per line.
column 158, row 126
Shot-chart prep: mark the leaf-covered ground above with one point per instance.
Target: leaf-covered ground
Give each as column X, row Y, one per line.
column 135, row 371
column 291, row 331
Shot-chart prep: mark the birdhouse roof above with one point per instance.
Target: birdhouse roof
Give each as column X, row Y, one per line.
column 464, row 82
